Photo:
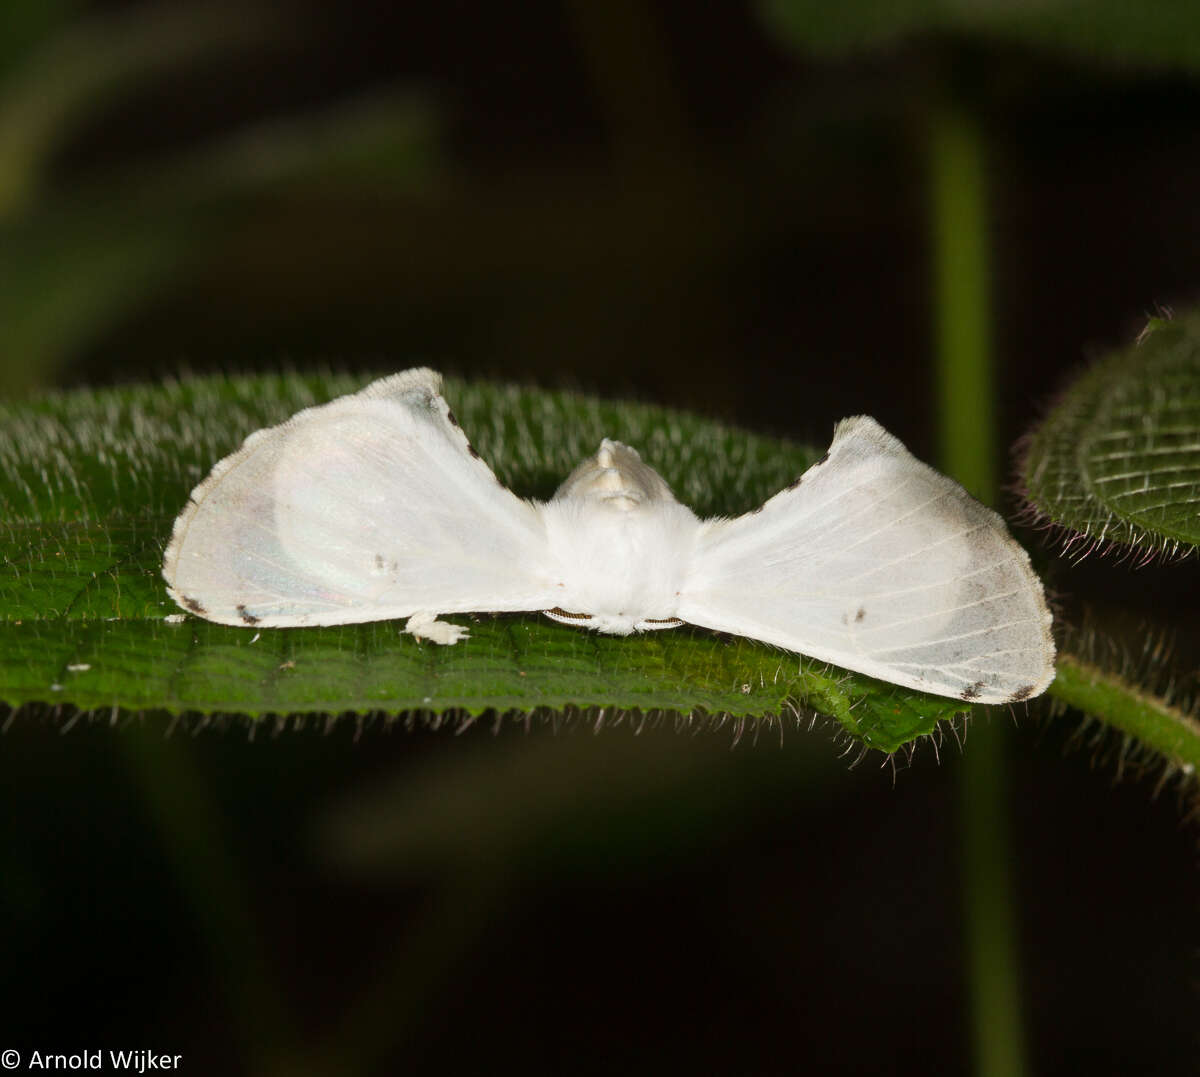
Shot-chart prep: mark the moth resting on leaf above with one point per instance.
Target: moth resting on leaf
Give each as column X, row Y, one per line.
column 375, row 506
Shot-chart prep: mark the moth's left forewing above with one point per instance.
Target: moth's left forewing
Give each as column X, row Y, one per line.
column 371, row 507
column 878, row 563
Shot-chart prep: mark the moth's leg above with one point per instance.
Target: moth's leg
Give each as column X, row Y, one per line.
column 425, row 625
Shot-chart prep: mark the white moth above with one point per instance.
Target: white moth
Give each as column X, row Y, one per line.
column 375, row 506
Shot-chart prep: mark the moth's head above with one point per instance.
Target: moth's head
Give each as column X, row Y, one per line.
column 617, row 477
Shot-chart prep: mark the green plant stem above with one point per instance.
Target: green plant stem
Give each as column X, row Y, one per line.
column 1148, row 718
column 966, row 413
column 967, row 427
column 991, row 921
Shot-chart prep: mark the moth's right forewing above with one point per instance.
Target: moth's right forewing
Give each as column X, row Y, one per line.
column 371, row 507
column 880, row 564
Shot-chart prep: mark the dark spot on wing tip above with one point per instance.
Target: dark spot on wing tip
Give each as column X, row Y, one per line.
column 972, row 691
column 822, row 460
column 451, row 417
column 247, row 618
column 194, row 605
column 472, row 451
column 860, row 615
column 379, row 561
column 1024, row 692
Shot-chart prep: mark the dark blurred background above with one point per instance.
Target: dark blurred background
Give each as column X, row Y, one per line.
column 698, row 205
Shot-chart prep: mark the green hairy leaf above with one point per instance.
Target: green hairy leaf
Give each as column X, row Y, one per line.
column 1118, row 460
column 90, row 483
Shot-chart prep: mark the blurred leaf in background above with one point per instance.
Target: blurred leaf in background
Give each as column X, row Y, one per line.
column 77, row 256
column 1159, row 35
